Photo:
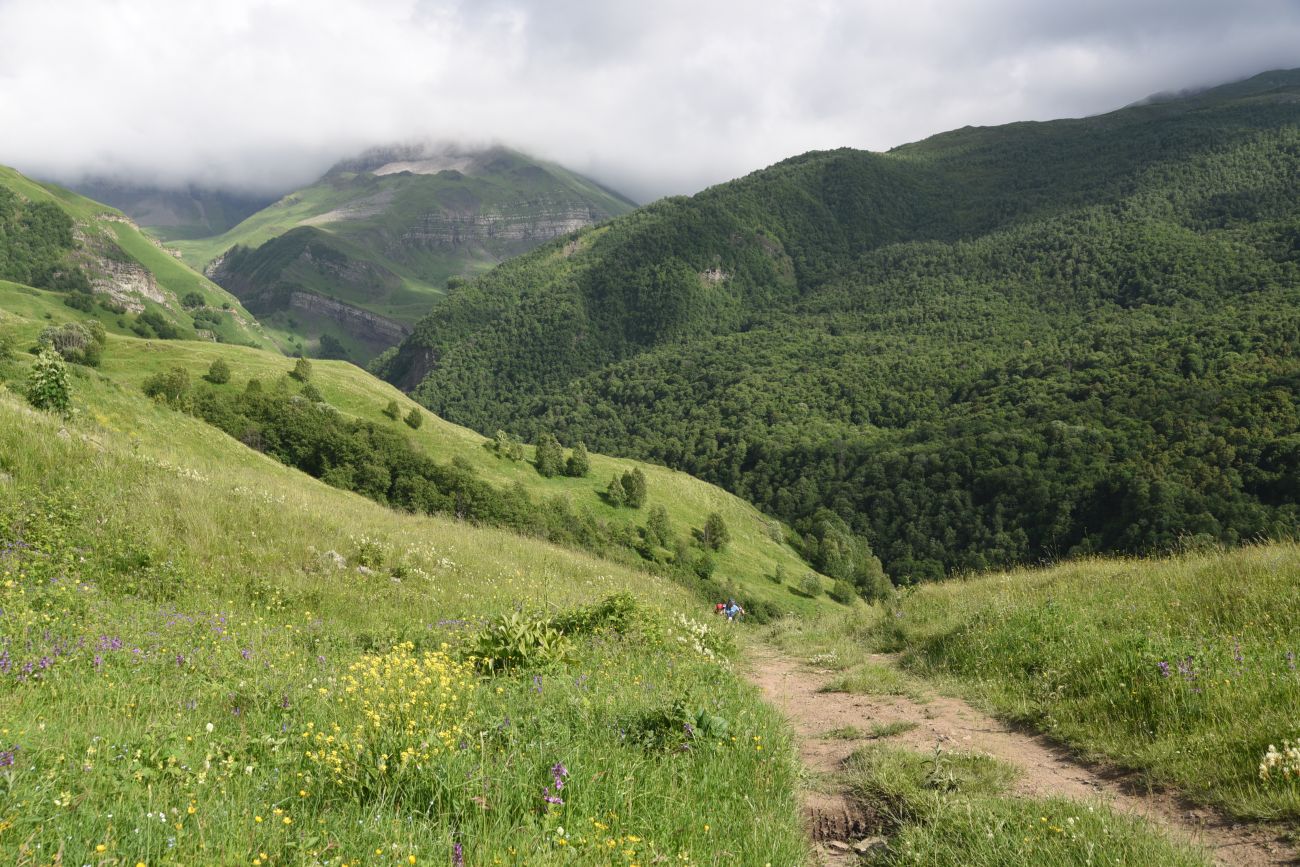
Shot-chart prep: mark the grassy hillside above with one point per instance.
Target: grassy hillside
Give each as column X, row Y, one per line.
column 1183, row 668
column 996, row 346
column 749, row 566
column 385, row 233
column 57, row 239
column 207, row 657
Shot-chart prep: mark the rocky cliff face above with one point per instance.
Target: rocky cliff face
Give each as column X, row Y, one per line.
column 362, row 324
column 527, row 222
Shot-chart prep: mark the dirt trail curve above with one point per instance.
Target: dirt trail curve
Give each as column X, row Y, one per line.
column 1046, row 769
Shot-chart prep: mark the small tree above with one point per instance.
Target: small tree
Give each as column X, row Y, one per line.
column 191, row 300
column 634, row 488
column 658, row 526
column 392, row 410
column 714, row 533
column 254, row 386
column 579, row 463
column 507, row 446
column 218, row 372
column 172, row 387
column 301, row 370
column 47, row 384
column 614, row 493
column 550, row 456
column 810, row 585
column 312, row 393
column 414, row 418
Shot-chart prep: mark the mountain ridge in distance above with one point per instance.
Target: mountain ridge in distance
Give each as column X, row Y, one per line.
column 363, row 252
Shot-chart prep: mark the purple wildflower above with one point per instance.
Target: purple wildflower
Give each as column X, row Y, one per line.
column 99, row 660
column 559, row 772
column 247, row 653
column 549, row 798
column 1290, row 659
column 457, row 856
column 7, row 756
column 1164, row 668
column 537, row 683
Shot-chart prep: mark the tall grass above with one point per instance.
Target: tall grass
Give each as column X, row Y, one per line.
column 1183, row 667
column 191, row 634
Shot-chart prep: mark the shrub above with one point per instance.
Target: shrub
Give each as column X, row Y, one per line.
column 414, row 418
column 151, row 323
column 579, row 463
column 171, row 387
column 392, row 410
column 312, row 393
column 810, row 585
column 47, row 384
column 614, row 494
column 192, row 300
column 634, row 488
column 82, row 301
column 519, row 640
column 549, row 459
column 842, row 591
column 218, row 373
column 704, row 565
column 506, row 446
column 301, row 370
column 658, row 527
column 714, row 534
column 75, row 342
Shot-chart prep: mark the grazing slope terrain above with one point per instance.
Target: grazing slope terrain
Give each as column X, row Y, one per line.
column 209, row 657
column 997, row 345
column 365, row 251
column 107, row 267
column 1181, row 671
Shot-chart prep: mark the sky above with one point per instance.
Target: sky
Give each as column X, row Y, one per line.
column 653, row 97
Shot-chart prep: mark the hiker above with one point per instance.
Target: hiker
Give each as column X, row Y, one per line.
column 719, row 608
column 733, row 610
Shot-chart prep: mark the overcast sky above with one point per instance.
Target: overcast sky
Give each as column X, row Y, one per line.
column 652, row 96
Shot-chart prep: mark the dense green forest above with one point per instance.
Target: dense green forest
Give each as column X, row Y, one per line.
column 994, row 346
column 35, row 239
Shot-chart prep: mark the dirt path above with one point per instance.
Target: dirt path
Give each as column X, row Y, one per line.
column 1046, row 769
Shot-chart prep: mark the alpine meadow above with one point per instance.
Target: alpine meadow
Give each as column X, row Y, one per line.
column 936, row 505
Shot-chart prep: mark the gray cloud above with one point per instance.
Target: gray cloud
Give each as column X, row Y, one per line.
column 655, row 97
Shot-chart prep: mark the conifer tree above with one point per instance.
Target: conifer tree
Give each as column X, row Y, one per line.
column 579, row 463
column 550, row 456
column 634, row 488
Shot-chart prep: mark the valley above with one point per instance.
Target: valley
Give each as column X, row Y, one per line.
column 388, row 522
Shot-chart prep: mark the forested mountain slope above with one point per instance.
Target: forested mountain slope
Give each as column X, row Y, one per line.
column 993, row 346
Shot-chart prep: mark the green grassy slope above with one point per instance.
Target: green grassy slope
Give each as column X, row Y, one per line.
column 1184, row 668
column 113, row 252
column 195, row 667
column 388, row 243
column 756, row 554
column 995, row 346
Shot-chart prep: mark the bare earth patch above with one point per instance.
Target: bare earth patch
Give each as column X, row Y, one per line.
column 1046, row 769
